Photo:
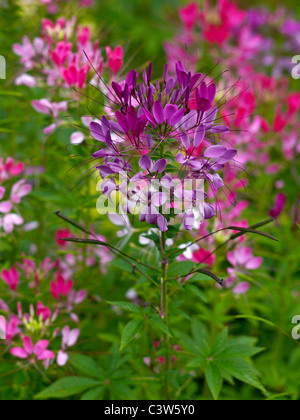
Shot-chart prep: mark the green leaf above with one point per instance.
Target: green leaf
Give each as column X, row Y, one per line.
column 214, row 380
column 127, row 306
column 220, row 341
column 66, row 387
column 198, row 362
column 158, row 322
column 130, row 331
column 241, row 370
column 201, row 336
column 195, row 290
column 239, row 351
column 180, row 269
column 93, row 394
column 85, row 365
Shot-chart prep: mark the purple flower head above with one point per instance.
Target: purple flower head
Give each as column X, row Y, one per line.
column 154, row 127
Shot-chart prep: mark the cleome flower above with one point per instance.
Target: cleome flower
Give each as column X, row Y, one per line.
column 157, row 130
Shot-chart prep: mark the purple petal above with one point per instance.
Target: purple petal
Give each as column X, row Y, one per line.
column 150, row 118
column 118, row 89
column 215, row 151
column 199, row 135
column 170, row 110
column 122, row 120
column 97, row 131
column 160, row 166
column 227, row 156
column 209, row 211
column 158, row 112
column 177, row 117
column 185, row 141
column 162, row 223
column 132, row 118
column 159, row 199
column 195, row 79
column 146, row 163
column 211, row 92
column 203, row 90
column 220, row 129
column 189, row 220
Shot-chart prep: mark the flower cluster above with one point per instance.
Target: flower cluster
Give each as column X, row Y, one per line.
column 266, row 143
column 155, row 131
column 11, row 196
column 62, row 60
column 241, row 38
column 38, row 329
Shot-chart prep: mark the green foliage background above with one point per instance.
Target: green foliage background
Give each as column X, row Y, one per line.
column 142, row 26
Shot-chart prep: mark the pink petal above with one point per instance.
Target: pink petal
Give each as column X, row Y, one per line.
column 40, row 347
column 27, row 344
column 254, row 263
column 241, row 288
column 73, row 337
column 47, row 355
column 18, row 352
column 5, row 207
column 62, row 358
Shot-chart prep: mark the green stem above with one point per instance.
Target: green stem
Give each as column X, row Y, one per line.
column 165, row 316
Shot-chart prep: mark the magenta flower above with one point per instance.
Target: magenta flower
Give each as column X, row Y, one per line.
column 43, row 312
column 60, row 287
column 11, row 278
column 242, row 260
column 115, row 58
column 31, row 352
column 279, row 206
column 189, row 15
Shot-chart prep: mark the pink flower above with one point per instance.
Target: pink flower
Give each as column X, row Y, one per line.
column 12, row 328
column 26, row 80
column 61, row 287
column 75, row 76
column 61, row 53
column 84, row 35
column 279, row 206
column 243, row 258
column 9, row 221
column 69, row 339
column 31, row 352
column 241, row 288
column 43, row 312
column 189, row 15
column 204, row 256
column 115, row 58
column 11, row 278
column 20, row 190
column 49, row 108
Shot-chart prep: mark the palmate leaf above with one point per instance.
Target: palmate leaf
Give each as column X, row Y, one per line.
column 94, row 394
column 225, row 359
column 214, row 380
column 67, row 387
column 241, row 370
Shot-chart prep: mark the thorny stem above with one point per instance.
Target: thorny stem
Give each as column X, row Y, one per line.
column 165, row 315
